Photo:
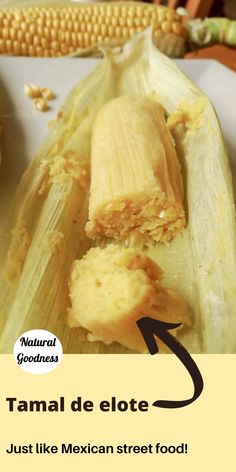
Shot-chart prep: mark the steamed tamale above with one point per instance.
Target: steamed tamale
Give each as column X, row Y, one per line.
column 136, row 183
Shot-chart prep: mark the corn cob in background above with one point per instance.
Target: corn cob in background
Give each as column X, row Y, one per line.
column 74, row 28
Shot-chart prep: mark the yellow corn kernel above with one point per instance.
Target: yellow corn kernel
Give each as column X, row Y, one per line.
column 16, row 48
column 166, row 26
column 41, row 104
column 32, row 51
column 12, row 33
column 8, row 46
column 170, row 15
column 118, row 32
column 125, row 32
column 25, row 26
column 47, row 94
column 114, row 21
column 177, row 27
column 39, row 51
column 5, row 33
column 28, row 38
column 75, row 26
column 158, row 34
column 32, row 91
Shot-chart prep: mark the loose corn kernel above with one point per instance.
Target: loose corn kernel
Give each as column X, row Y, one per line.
column 41, row 104
column 32, row 91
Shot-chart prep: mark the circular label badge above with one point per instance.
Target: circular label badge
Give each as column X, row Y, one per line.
column 37, row 351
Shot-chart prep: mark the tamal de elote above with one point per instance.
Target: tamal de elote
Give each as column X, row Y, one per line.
column 112, row 288
column 136, row 183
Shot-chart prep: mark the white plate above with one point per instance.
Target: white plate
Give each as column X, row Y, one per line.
column 24, row 127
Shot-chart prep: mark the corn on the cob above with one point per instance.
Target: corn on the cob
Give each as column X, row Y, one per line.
column 62, row 30
column 139, row 193
column 109, row 313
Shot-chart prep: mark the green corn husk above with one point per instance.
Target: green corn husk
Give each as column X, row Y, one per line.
column 211, row 31
column 200, row 263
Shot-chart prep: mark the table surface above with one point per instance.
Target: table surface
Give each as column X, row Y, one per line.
column 223, row 54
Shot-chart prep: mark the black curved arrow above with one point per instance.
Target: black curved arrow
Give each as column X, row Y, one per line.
column 148, row 327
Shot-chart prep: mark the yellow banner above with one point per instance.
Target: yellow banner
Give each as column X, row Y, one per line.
column 97, row 411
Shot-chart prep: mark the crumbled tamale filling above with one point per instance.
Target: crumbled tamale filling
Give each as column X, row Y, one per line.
column 17, row 251
column 64, row 168
column 52, row 240
column 158, row 221
column 188, row 114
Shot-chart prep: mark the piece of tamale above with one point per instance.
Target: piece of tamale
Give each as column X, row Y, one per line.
column 136, row 183
column 111, row 288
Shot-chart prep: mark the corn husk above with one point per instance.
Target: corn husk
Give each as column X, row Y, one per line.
column 200, row 263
